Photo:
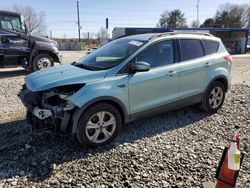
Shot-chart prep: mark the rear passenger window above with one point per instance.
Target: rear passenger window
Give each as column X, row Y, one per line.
column 191, row 49
column 211, row 46
column 159, row 54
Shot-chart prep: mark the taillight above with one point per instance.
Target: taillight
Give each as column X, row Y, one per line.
column 228, row 58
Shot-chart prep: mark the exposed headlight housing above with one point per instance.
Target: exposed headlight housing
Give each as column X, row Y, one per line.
column 68, row 89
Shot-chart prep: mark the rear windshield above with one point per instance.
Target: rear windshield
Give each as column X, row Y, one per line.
column 211, row 46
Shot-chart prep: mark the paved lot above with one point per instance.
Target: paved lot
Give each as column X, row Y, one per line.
column 175, row 149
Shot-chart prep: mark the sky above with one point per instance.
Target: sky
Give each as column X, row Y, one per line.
column 61, row 15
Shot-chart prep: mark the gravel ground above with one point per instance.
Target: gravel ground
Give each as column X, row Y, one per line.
column 175, row 149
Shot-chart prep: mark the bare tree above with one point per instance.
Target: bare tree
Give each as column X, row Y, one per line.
column 35, row 20
column 194, row 24
column 102, row 34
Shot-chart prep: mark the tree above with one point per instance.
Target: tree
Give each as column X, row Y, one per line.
column 208, row 23
column 194, row 24
column 35, row 20
column 174, row 18
column 232, row 15
column 102, row 34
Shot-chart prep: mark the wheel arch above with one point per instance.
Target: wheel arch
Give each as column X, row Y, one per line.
column 50, row 53
column 35, row 53
column 110, row 100
column 223, row 79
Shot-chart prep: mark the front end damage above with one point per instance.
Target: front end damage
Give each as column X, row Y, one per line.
column 49, row 109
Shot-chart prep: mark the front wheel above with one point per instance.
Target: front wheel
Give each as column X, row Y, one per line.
column 42, row 61
column 214, row 97
column 99, row 125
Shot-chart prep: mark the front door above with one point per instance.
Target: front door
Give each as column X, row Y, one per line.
column 151, row 91
column 14, row 42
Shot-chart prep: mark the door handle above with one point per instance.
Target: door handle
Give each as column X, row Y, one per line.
column 171, row 73
column 207, row 64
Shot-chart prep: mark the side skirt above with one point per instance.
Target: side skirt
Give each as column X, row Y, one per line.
column 168, row 107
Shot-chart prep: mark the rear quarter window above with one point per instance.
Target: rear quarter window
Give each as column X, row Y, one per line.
column 211, row 46
column 191, row 49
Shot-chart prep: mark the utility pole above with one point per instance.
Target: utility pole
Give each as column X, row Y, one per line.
column 78, row 22
column 198, row 7
column 50, row 32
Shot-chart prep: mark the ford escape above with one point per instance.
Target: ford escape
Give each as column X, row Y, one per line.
column 127, row 79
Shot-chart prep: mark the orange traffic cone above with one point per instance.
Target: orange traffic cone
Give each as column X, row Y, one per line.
column 229, row 166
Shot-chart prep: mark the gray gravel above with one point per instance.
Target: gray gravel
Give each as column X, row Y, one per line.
column 175, row 149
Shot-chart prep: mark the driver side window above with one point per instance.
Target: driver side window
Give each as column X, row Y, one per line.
column 11, row 23
column 159, row 54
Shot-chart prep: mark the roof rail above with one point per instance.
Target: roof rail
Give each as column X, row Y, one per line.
column 162, row 34
column 191, row 32
column 176, row 32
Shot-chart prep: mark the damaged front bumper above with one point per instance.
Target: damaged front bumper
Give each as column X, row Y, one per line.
column 41, row 113
column 47, row 108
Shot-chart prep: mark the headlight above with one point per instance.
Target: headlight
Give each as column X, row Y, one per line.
column 55, row 49
column 68, row 89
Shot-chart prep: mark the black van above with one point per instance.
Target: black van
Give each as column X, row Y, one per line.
column 18, row 47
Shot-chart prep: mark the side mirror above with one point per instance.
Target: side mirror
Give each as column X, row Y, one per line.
column 141, row 66
column 26, row 28
column 23, row 25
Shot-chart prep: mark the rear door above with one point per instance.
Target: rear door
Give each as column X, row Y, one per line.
column 151, row 91
column 193, row 68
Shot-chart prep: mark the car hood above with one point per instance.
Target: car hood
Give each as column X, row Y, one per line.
column 61, row 75
column 42, row 39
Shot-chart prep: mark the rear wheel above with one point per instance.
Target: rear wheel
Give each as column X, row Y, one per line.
column 214, row 97
column 42, row 61
column 99, row 125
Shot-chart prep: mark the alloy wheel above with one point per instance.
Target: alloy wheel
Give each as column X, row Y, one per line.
column 100, row 127
column 216, row 97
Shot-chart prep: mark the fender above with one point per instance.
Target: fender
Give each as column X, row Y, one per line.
column 216, row 74
column 216, row 78
column 220, row 77
column 42, row 46
column 77, row 114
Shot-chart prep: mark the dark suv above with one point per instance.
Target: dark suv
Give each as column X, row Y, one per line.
column 18, row 47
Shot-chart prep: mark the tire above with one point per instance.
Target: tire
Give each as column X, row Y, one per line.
column 93, row 124
column 42, row 61
column 214, row 97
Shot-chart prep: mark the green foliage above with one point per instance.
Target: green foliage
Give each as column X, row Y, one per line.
column 174, row 18
column 208, row 23
column 230, row 16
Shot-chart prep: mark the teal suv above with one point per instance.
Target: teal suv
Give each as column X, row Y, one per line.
column 128, row 79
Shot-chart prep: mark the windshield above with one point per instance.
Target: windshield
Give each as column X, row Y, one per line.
column 11, row 23
column 110, row 54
